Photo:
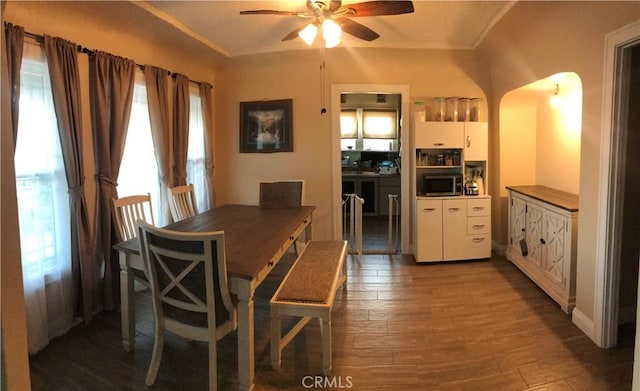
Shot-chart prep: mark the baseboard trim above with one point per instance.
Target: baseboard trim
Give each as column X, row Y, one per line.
column 498, row 248
column 585, row 324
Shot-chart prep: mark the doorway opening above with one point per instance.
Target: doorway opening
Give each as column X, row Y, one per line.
column 369, row 142
column 616, row 293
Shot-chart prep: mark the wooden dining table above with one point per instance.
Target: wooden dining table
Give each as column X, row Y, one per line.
column 255, row 240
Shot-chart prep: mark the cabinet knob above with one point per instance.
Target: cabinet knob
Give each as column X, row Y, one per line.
column 542, row 241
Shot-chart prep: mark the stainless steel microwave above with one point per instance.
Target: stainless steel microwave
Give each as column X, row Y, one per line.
column 441, row 185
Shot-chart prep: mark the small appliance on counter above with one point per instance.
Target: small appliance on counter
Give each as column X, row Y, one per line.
column 474, row 182
column 387, row 167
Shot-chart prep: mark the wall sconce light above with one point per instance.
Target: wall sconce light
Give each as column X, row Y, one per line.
column 555, row 99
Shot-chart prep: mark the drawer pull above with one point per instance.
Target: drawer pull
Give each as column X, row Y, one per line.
column 438, row 144
column 454, row 209
column 428, row 209
column 478, row 226
column 478, row 240
column 478, row 208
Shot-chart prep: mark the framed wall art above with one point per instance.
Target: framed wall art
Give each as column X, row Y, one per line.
column 266, row 126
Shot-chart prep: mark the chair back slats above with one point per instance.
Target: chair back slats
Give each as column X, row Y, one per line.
column 182, row 202
column 281, row 194
column 128, row 210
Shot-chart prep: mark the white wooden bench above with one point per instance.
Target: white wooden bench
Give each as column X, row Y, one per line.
column 308, row 291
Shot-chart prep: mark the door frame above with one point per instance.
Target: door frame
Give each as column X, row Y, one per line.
column 612, row 173
column 336, row 167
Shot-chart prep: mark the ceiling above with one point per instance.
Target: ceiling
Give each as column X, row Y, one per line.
column 433, row 25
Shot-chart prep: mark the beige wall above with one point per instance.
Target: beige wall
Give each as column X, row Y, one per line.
column 558, row 37
column 296, row 75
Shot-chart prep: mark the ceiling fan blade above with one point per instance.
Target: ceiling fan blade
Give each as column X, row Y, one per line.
column 269, row 12
column 293, row 34
column 357, row 30
column 377, row 8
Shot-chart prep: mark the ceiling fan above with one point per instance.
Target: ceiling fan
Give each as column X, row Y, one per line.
column 332, row 17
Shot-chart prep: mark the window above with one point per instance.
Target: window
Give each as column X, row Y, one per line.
column 196, row 167
column 43, row 206
column 369, row 129
column 43, row 203
column 138, row 169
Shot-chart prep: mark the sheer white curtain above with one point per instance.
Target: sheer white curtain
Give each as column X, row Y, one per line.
column 138, row 170
column 196, row 169
column 43, row 207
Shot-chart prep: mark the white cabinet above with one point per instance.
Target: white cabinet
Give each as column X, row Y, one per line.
column 476, row 141
column 429, row 228
column 453, row 228
column 542, row 239
column 439, row 135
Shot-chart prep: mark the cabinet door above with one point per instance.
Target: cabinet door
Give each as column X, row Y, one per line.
column 439, row 135
column 454, row 227
column 517, row 216
column 429, row 231
column 368, row 191
column 476, row 141
column 533, row 233
column 555, row 228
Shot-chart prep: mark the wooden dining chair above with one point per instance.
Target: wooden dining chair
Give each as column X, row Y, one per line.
column 182, row 202
column 189, row 290
column 128, row 210
column 282, row 194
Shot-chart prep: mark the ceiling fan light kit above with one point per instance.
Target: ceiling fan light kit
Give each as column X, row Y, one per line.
column 333, row 18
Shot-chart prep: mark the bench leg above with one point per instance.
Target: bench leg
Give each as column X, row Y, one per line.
column 325, row 331
column 275, row 338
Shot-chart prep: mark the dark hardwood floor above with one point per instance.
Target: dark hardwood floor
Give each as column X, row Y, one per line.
column 398, row 326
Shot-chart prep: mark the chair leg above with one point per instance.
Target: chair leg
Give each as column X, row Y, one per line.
column 275, row 339
column 156, row 356
column 325, row 330
column 213, row 365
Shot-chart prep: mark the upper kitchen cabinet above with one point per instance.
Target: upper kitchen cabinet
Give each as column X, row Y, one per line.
column 439, row 135
column 476, row 141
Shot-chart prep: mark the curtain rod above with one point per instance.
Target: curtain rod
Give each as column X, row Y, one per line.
column 85, row 50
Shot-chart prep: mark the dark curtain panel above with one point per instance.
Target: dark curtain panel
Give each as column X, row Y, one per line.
column 157, row 99
column 206, row 98
column 111, row 85
column 14, row 37
column 63, row 69
column 180, row 130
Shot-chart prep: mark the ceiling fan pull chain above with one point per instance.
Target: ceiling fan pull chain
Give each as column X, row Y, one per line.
column 323, row 109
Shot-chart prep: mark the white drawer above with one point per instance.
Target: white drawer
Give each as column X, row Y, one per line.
column 478, row 225
column 479, row 207
column 479, row 246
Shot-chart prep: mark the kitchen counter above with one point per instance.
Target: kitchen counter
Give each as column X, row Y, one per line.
column 561, row 199
column 368, row 174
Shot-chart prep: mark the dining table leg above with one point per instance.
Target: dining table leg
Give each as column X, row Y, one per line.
column 246, row 353
column 127, row 304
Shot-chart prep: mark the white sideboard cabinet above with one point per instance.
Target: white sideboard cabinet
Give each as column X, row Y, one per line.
column 543, row 228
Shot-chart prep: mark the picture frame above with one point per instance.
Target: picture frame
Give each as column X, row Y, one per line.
column 266, row 126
